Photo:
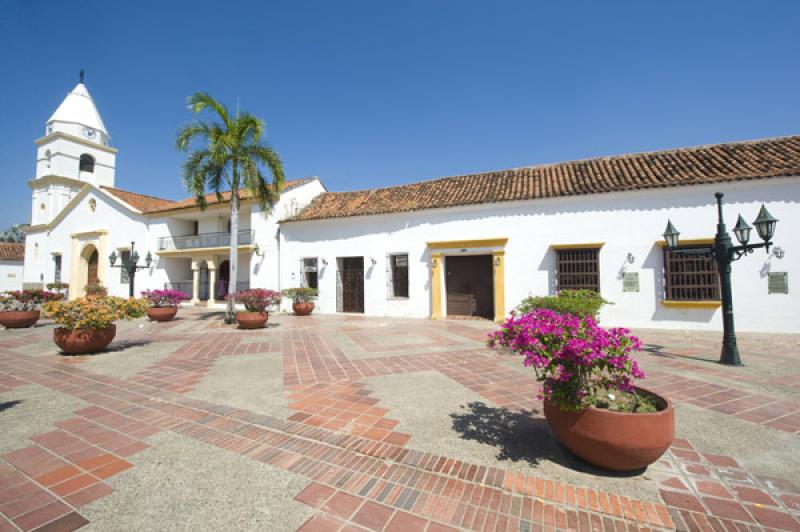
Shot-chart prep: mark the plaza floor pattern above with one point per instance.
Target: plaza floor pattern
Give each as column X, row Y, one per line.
column 364, row 465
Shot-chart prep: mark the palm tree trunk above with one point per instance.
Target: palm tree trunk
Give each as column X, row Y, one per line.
column 230, row 313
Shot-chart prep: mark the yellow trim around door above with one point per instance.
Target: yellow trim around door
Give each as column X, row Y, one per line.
column 461, row 244
column 499, row 266
column 436, row 286
column 498, row 271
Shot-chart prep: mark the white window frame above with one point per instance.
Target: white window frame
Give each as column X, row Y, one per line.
column 390, row 279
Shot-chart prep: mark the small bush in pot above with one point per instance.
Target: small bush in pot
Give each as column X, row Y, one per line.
column 60, row 288
column 96, row 290
column 302, row 299
column 163, row 303
column 579, row 302
column 587, row 375
column 256, row 302
column 85, row 325
column 21, row 308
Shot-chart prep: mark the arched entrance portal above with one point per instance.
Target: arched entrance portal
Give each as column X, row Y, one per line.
column 89, row 268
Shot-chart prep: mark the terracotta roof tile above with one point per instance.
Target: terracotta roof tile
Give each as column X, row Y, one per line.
column 152, row 204
column 718, row 163
column 12, row 251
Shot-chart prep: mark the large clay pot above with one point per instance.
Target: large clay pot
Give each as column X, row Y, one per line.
column 302, row 308
column 615, row 440
column 161, row 313
column 18, row 319
column 80, row 341
column 251, row 320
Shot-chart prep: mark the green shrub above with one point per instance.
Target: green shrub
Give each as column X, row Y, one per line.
column 577, row 302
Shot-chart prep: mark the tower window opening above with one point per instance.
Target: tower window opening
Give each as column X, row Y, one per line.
column 87, row 163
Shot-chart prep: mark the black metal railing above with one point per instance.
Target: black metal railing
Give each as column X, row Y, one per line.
column 204, row 240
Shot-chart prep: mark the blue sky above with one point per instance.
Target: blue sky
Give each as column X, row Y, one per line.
column 375, row 93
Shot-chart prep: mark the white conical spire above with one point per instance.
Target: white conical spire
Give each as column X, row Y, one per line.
column 78, row 109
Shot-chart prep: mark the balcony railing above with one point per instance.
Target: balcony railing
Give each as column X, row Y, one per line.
column 205, row 240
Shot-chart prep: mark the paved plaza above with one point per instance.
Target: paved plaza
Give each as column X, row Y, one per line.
column 352, row 423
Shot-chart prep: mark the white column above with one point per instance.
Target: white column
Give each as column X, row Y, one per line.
column 212, row 282
column 195, row 283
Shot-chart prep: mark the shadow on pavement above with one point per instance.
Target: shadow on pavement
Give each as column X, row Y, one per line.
column 520, row 437
column 9, row 404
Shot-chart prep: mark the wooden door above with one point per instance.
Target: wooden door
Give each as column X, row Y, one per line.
column 470, row 286
column 352, row 282
column 91, row 276
column 224, row 272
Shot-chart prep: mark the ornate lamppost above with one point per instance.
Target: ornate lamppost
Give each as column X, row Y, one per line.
column 130, row 265
column 724, row 253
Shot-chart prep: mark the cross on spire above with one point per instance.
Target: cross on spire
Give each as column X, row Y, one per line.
column 81, row 76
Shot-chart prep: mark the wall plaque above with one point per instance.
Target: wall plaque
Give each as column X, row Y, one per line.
column 630, row 282
column 778, row 283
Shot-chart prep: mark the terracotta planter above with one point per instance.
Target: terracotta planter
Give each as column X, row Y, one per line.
column 80, row 341
column 303, row 308
column 251, row 320
column 615, row 440
column 161, row 313
column 18, row 319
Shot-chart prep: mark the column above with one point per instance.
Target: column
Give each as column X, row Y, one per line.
column 498, row 262
column 436, row 286
column 195, row 283
column 212, row 281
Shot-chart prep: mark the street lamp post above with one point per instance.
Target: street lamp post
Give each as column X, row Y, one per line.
column 130, row 265
column 725, row 253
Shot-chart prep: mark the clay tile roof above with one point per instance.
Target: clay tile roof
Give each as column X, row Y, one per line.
column 718, row 163
column 140, row 201
column 152, row 204
column 12, row 251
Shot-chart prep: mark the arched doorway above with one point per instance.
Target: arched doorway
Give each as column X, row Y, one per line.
column 89, row 267
column 224, row 271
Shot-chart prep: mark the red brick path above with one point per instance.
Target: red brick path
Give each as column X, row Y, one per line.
column 361, row 473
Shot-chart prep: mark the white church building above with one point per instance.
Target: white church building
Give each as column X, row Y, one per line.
column 472, row 245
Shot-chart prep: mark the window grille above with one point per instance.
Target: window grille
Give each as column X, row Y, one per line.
column 125, row 257
column 398, row 275
column 310, row 273
column 577, row 269
column 690, row 276
column 57, row 268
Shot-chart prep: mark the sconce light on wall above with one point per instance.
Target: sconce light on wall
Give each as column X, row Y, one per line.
column 778, row 252
column 373, row 261
column 630, row 258
column 258, row 251
column 324, row 262
column 497, row 261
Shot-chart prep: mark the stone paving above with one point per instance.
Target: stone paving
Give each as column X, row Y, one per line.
column 352, row 423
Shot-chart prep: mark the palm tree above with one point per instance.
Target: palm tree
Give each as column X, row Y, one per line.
column 228, row 153
column 13, row 234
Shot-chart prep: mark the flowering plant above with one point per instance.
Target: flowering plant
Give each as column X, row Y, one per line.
column 256, row 299
column 129, row 308
column 26, row 300
column 579, row 363
column 164, row 298
column 96, row 289
column 86, row 313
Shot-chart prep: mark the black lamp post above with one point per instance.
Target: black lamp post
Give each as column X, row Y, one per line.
column 131, row 265
column 724, row 253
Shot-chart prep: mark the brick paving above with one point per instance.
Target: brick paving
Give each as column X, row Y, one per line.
column 364, row 473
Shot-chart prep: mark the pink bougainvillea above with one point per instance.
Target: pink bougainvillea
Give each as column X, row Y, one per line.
column 572, row 356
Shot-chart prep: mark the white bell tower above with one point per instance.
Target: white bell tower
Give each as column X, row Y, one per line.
column 74, row 151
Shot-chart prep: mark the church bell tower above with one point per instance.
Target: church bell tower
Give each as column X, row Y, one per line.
column 74, row 151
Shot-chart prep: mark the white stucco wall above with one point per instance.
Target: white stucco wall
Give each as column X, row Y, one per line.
column 10, row 275
column 629, row 222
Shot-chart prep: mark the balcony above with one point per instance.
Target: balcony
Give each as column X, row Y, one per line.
column 176, row 245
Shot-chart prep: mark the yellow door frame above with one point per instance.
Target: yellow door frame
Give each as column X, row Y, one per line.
column 494, row 246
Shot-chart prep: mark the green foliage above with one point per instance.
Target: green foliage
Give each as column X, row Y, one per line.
column 96, row 289
column 228, row 154
column 13, row 234
column 577, row 302
column 302, row 294
column 638, row 402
